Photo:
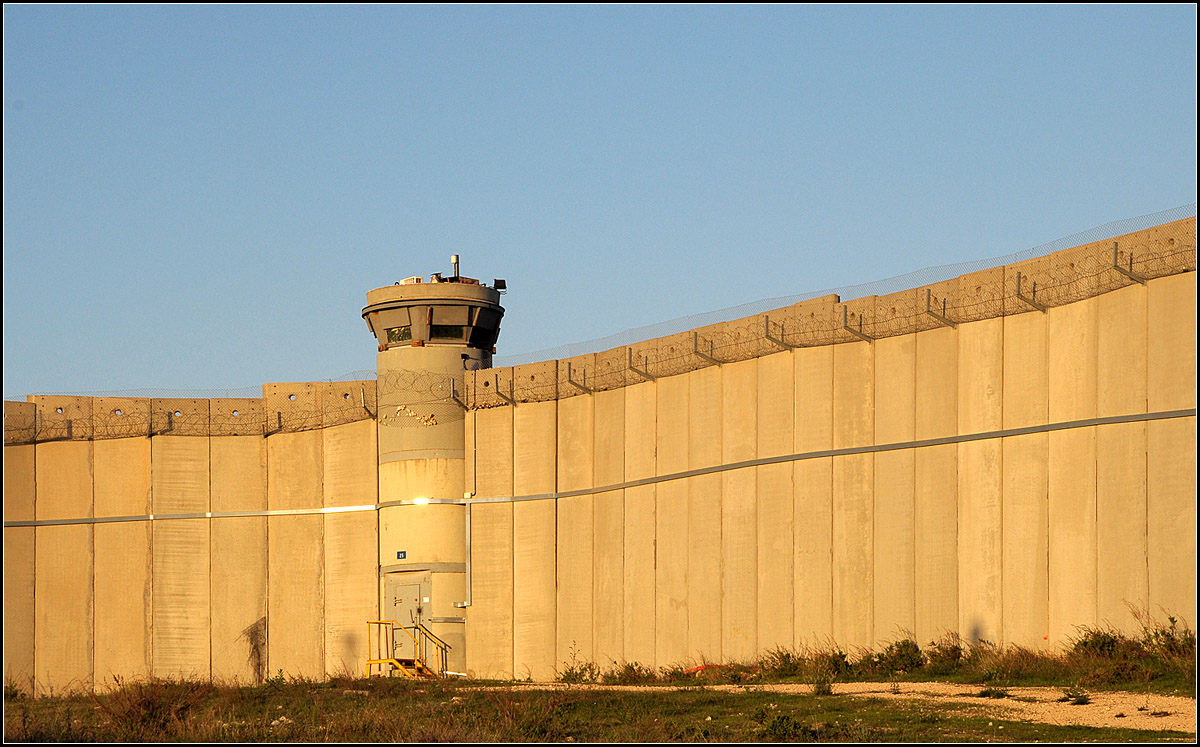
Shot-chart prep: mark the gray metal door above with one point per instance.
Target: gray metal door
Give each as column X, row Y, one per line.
column 406, row 609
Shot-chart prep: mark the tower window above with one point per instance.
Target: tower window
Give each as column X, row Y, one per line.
column 399, row 334
column 446, row 331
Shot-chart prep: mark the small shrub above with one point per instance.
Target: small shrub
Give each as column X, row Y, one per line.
column 781, row 662
column 150, row 710
column 1097, row 642
column 576, row 671
column 901, row 656
column 834, row 661
column 945, row 655
column 993, row 692
column 11, row 691
column 629, row 673
column 783, row 728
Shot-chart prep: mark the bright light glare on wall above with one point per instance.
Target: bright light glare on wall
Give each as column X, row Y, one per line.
column 420, row 501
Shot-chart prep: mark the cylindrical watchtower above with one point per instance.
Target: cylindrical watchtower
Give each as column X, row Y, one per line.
column 429, row 333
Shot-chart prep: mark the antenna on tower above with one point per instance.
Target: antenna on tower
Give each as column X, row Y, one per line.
column 454, row 261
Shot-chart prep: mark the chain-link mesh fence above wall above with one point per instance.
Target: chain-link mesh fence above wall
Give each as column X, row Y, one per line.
column 1027, row 285
column 419, row 399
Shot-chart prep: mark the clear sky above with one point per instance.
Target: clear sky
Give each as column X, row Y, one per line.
column 200, row 196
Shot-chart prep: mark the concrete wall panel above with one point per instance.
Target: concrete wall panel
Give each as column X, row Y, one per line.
column 1171, row 446
column 490, row 617
column 1121, row 572
column 19, row 491
column 239, row 558
column 1024, row 532
column 295, row 555
column 671, row 527
column 739, row 512
column 64, row 480
column 573, row 634
column 534, row 528
column 1121, row 351
column 181, row 601
column 351, row 596
column 639, row 570
column 122, row 565
column 123, row 600
column 775, row 423
column 704, row 516
column 1171, row 354
column 812, row 481
column 63, row 607
column 853, row 495
column 1171, row 490
column 936, row 485
column 1072, row 482
column 239, row 593
column 895, row 413
column 63, row 567
column 19, row 582
column 348, row 453
column 1025, row 528
column 980, row 487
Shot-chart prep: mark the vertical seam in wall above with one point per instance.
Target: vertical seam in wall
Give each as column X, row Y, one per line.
column 832, row 421
column 554, row 545
column 266, row 667
column 34, row 595
column 92, row 542
column 912, row 497
column 1046, row 450
column 1146, row 458
column 379, row 515
column 325, row 558
column 324, row 575
column 1096, row 467
column 208, row 441
column 592, row 529
column 874, row 497
column 512, row 541
column 1000, row 472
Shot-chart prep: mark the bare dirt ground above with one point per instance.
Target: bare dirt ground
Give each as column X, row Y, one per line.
column 1031, row 704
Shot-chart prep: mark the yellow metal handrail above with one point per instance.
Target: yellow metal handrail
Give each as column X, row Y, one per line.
column 383, row 634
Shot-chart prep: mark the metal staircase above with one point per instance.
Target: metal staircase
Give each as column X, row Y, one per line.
column 426, row 659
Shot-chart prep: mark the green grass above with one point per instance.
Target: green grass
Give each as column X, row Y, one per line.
column 1161, row 660
column 407, row 711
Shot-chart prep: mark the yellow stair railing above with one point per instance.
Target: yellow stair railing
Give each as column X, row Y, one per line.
column 382, row 633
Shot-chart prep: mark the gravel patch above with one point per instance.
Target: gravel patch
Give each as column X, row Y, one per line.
column 1031, row 704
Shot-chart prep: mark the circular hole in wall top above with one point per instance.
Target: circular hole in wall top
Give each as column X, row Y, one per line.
column 58, row 410
column 486, row 383
column 291, row 396
column 117, row 412
column 178, row 413
column 346, row 395
column 236, row 413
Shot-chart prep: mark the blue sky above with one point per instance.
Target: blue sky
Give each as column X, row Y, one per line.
column 200, row 196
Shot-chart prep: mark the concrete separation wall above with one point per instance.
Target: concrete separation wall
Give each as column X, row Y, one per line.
column 1006, row 469
column 96, row 589
column 1006, row 456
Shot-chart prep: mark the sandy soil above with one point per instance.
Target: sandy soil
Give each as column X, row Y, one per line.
column 1032, row 704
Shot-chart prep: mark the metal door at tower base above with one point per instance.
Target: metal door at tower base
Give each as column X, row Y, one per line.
column 406, row 600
